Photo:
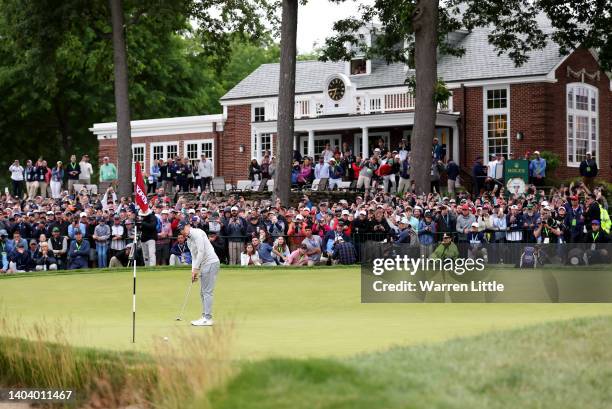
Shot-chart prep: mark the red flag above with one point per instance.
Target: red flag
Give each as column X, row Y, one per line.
column 139, row 190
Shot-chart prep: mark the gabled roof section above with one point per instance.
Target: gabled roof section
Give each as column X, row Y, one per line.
column 480, row 62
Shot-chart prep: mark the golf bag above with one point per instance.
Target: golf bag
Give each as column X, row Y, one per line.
column 529, row 258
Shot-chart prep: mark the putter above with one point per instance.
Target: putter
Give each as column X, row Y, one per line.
column 180, row 316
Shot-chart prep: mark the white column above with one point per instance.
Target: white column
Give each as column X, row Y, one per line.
column 259, row 150
column 311, row 151
column 295, row 142
column 364, row 142
column 253, row 140
column 456, row 144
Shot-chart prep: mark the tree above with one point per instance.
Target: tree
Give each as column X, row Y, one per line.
column 286, row 100
column 413, row 31
column 122, row 101
column 56, row 66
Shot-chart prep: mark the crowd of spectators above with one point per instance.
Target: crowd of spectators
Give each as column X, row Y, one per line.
column 81, row 229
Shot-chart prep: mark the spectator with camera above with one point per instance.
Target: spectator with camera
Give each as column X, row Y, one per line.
column 179, row 253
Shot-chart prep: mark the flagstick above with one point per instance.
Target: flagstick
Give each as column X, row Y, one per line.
column 134, row 287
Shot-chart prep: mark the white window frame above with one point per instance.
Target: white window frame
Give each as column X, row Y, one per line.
column 144, row 159
column 495, row 111
column 199, row 143
column 253, row 112
column 165, row 146
column 386, row 135
column 331, row 137
column 577, row 112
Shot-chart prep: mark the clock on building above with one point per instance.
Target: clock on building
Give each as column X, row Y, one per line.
column 336, row 89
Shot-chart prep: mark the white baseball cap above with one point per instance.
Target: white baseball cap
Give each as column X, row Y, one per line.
column 474, row 224
column 191, row 211
column 83, row 214
column 363, row 212
column 234, row 208
column 165, row 211
column 345, row 212
column 299, row 217
column 404, row 220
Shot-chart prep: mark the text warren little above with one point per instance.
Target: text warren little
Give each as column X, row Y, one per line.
column 432, row 286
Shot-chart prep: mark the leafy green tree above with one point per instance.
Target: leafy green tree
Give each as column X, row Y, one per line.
column 415, row 31
column 56, row 70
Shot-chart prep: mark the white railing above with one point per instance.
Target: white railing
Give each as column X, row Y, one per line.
column 363, row 103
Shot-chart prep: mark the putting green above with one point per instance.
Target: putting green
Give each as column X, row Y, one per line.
column 279, row 312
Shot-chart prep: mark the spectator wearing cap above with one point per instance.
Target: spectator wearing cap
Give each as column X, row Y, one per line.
column 588, row 170
column 33, row 250
column 404, row 184
column 78, row 224
column 265, row 252
column 477, row 242
column 79, row 252
column 343, row 252
column 73, row 170
column 598, row 251
column 447, row 250
column 529, row 223
column 101, row 236
column 537, row 169
column 427, row 234
column 446, row 222
column 108, row 172
column 406, row 234
column 452, row 177
column 479, row 175
column 17, row 177
column 118, row 234
column 19, row 259
column 574, row 219
column 299, row 257
column 332, row 236
column 45, row 260
column 86, row 170
column 379, row 228
column 148, row 236
column 31, row 180
column 436, row 149
column 514, row 223
column 235, row 227
column 57, row 178
column 180, row 255
column 58, row 245
column 162, row 244
column 464, row 223
column 275, row 226
column 122, row 259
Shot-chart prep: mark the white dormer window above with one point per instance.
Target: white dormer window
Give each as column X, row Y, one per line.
column 359, row 66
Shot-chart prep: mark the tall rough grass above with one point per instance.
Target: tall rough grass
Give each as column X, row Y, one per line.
column 174, row 375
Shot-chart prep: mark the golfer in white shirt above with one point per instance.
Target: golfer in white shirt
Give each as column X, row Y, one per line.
column 205, row 263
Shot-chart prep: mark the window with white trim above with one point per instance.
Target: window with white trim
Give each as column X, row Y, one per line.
column 138, row 155
column 163, row 151
column 496, row 122
column 195, row 149
column 582, row 122
column 259, row 114
column 266, row 144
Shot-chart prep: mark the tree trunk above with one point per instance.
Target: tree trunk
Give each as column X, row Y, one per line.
column 425, row 27
column 286, row 101
column 122, row 103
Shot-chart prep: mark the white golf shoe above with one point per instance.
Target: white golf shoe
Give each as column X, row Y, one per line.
column 202, row 322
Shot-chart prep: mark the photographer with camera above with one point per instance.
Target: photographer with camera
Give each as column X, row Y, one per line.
column 548, row 229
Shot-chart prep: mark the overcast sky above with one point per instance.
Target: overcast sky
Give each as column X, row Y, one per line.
column 316, row 18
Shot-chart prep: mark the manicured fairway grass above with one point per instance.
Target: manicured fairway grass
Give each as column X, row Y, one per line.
column 275, row 312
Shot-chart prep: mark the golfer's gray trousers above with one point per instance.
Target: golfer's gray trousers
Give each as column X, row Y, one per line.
column 208, row 277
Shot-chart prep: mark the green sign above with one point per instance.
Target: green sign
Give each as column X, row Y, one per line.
column 516, row 169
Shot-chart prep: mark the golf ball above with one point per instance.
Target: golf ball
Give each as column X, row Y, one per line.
column 166, row 339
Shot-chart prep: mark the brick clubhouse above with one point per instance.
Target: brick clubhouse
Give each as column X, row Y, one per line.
column 553, row 102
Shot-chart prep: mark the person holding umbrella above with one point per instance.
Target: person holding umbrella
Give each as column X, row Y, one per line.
column 206, row 265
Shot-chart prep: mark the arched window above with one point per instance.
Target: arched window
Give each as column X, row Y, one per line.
column 582, row 122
